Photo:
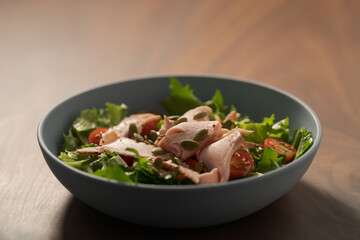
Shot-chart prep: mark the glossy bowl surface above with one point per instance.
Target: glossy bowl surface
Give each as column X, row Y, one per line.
column 179, row 206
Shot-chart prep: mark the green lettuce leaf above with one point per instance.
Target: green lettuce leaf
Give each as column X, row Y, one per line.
column 267, row 128
column 217, row 105
column 302, row 140
column 269, row 161
column 71, row 142
column 112, row 115
column 89, row 120
column 145, row 172
column 115, row 173
column 182, row 99
column 78, row 161
column 86, row 121
column 280, row 130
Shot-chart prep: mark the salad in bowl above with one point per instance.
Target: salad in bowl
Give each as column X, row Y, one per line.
column 195, row 142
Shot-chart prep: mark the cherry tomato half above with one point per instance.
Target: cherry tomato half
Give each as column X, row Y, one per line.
column 281, row 147
column 241, row 164
column 192, row 163
column 148, row 127
column 96, row 135
column 129, row 160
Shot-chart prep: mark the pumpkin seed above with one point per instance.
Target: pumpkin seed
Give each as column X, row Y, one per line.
column 168, row 176
column 153, row 135
column 189, row 144
column 132, row 129
column 180, row 120
column 158, row 162
column 177, row 161
column 174, row 118
column 138, row 137
column 227, row 124
column 158, row 150
column 200, row 115
column 200, row 134
column 199, row 167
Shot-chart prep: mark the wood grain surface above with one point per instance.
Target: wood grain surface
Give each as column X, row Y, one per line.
column 50, row 50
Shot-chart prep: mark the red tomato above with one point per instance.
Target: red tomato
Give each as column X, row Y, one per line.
column 148, row 127
column 281, row 147
column 96, row 135
column 129, row 160
column 241, row 164
column 192, row 163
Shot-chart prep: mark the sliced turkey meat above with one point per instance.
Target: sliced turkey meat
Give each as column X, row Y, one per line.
column 218, row 154
column 231, row 116
column 122, row 129
column 119, row 146
column 201, row 113
column 187, row 138
column 210, row 177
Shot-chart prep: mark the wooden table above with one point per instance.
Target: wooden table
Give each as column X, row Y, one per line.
column 50, row 50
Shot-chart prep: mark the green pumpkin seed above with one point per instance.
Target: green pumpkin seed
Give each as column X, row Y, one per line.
column 158, row 162
column 227, row 124
column 180, row 120
column 168, row 176
column 200, row 134
column 132, row 129
column 174, row 118
column 177, row 161
column 158, row 150
column 138, row 137
column 200, row 115
column 153, row 135
column 199, row 167
column 189, row 144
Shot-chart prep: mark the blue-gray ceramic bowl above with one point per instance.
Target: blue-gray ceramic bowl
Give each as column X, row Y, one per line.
column 179, row 206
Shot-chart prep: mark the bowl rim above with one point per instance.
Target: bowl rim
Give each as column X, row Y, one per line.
column 253, row 179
